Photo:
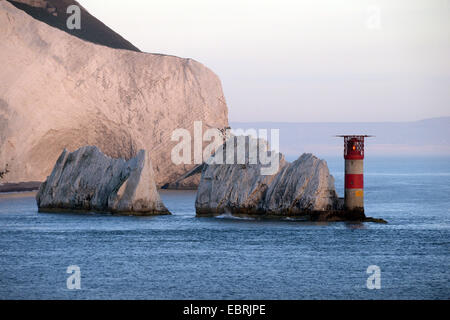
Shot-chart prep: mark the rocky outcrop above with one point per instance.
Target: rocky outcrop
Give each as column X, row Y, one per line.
column 189, row 181
column 88, row 180
column 303, row 187
column 58, row 91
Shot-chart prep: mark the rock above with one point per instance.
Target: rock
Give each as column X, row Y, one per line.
column 88, row 180
column 58, row 91
column 303, row 185
column 375, row 220
column 188, row 181
column 4, row 172
column 304, row 188
column 299, row 188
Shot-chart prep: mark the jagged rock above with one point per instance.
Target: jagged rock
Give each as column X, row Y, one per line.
column 304, row 186
column 188, row 181
column 58, row 91
column 88, row 180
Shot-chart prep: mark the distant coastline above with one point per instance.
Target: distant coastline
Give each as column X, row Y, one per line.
column 428, row 137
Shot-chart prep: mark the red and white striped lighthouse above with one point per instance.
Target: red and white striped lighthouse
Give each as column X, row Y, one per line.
column 354, row 172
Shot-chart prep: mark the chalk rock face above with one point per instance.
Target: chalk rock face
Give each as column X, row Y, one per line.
column 88, row 180
column 189, row 181
column 58, row 91
column 303, row 186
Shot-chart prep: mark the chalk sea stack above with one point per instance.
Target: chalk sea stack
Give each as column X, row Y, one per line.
column 60, row 91
column 88, row 180
column 303, row 188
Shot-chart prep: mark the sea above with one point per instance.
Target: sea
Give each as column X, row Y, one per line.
column 100, row 256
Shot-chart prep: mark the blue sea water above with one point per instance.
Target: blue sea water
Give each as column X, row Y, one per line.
column 184, row 257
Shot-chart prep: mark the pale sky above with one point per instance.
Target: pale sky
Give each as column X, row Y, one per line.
column 302, row 61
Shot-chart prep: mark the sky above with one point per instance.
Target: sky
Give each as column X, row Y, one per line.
column 303, row 61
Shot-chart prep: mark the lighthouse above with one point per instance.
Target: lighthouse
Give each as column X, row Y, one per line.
column 354, row 173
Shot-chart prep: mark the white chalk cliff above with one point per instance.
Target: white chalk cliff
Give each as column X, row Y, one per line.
column 58, row 91
column 88, row 180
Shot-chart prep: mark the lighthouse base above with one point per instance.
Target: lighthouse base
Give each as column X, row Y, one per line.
column 339, row 215
column 334, row 214
column 315, row 216
column 346, row 216
column 355, row 213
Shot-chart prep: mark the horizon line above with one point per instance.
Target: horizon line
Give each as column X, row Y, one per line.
column 343, row 122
